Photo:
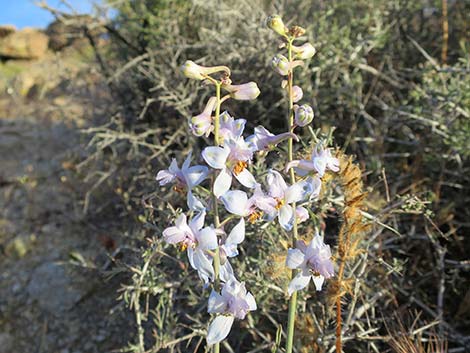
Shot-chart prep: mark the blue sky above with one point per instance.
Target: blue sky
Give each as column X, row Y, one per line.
column 24, row 13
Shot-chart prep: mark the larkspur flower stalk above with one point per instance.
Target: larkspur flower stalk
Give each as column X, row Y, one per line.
column 289, row 214
column 209, row 248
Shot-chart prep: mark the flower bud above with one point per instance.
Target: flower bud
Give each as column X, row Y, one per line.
column 202, row 124
column 192, row 70
column 275, row 23
column 305, row 51
column 246, row 91
column 297, row 93
column 280, row 64
column 303, row 115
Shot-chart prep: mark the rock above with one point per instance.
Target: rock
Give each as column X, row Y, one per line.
column 62, row 35
column 28, row 43
column 53, row 288
column 6, row 30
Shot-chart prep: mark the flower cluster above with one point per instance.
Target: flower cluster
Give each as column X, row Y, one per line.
column 239, row 196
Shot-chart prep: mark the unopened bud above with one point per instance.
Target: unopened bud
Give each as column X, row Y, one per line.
column 202, row 124
column 246, row 91
column 280, row 64
column 192, row 70
column 275, row 23
column 297, row 94
column 305, row 51
column 303, row 115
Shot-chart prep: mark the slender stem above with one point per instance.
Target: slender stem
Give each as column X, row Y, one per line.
column 214, row 198
column 217, row 115
column 290, row 153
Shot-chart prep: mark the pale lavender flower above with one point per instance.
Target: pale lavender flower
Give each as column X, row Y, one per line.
column 297, row 93
column 202, row 124
column 230, row 128
column 313, row 261
column 320, row 161
column 263, row 140
column 197, row 240
column 303, row 115
column 238, row 203
column 285, row 195
column 232, row 159
column 234, row 302
column 185, row 178
column 305, row 51
column 246, row 91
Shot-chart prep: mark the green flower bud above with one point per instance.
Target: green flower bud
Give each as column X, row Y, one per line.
column 303, row 115
column 275, row 23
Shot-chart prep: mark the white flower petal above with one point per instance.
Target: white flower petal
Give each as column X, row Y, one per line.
column 219, row 329
column 315, row 183
column 187, row 161
column 180, row 222
column 298, row 282
column 173, row 167
column 298, row 191
column 222, row 182
column 319, row 163
column 236, row 202
column 164, row 177
column 295, row 258
column 318, row 281
column 174, row 235
column 194, row 204
column 198, row 221
column 226, row 271
column 276, row 184
column 200, row 262
column 195, row 175
column 216, row 303
column 250, row 299
column 246, row 178
column 215, row 156
column 302, row 214
column 207, row 239
column 286, row 217
column 236, row 236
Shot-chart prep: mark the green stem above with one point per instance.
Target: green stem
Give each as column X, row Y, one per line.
column 290, row 153
column 214, row 199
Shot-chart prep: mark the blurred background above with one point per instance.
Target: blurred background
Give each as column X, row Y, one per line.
column 92, row 105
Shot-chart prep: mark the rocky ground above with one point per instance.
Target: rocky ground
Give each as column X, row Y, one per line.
column 54, row 296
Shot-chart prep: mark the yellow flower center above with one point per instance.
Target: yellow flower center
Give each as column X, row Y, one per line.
column 280, row 203
column 239, row 167
column 178, row 188
column 252, row 218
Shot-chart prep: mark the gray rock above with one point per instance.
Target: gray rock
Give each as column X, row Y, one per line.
column 53, row 288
